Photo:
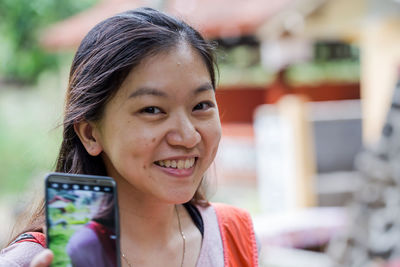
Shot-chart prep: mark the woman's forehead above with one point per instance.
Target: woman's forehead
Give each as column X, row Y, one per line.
column 177, row 55
column 181, row 64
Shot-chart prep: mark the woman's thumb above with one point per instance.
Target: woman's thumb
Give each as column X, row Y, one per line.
column 43, row 259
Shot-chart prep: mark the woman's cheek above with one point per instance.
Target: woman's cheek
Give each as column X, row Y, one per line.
column 214, row 137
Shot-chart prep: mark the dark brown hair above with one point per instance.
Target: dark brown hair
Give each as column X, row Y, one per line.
column 108, row 53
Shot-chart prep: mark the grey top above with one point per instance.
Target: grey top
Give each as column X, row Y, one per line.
column 211, row 252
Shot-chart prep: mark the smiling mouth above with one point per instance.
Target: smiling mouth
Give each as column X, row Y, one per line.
column 177, row 164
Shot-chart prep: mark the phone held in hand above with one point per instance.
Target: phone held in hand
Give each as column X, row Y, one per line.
column 82, row 220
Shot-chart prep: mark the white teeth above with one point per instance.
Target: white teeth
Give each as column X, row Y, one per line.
column 187, row 163
column 181, row 164
column 177, row 164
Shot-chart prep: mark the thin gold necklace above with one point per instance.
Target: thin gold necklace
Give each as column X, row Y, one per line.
column 183, row 240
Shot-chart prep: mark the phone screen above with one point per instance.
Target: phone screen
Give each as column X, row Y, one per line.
column 82, row 221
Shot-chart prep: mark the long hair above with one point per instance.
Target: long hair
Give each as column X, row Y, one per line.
column 105, row 57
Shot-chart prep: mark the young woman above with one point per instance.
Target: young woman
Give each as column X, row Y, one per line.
column 141, row 108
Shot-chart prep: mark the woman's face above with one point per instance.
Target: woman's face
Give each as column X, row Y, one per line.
column 161, row 131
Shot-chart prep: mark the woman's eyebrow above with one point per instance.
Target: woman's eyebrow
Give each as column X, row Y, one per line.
column 147, row 91
column 154, row 92
column 204, row 87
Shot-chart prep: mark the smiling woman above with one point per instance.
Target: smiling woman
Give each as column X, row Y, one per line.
column 147, row 136
column 141, row 108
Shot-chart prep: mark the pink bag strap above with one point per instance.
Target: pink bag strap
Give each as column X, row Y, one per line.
column 35, row 237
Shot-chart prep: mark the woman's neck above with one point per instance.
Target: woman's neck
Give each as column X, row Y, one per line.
column 151, row 231
column 144, row 220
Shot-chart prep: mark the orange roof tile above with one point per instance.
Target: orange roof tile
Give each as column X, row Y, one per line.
column 214, row 18
column 225, row 18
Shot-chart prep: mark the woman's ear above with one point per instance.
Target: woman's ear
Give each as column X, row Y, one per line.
column 88, row 134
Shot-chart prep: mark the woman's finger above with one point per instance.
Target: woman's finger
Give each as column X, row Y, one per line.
column 43, row 259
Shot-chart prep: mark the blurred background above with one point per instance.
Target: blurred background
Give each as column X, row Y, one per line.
column 308, row 103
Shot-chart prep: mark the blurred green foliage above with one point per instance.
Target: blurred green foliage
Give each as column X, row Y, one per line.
column 59, row 237
column 70, row 208
column 79, row 222
column 21, row 57
column 29, row 136
column 242, row 66
column 316, row 72
column 55, row 214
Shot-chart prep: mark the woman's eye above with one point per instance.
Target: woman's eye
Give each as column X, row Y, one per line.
column 151, row 110
column 204, row 106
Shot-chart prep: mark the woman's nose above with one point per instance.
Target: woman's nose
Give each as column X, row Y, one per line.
column 183, row 132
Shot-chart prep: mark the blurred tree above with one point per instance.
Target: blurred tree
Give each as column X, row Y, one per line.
column 21, row 58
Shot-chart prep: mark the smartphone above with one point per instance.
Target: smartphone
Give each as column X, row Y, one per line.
column 82, row 220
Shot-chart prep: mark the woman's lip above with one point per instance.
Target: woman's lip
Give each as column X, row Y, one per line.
column 177, row 172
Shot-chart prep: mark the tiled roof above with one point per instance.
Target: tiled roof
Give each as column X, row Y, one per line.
column 214, row 18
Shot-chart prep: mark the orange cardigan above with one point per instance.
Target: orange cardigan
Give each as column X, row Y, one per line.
column 238, row 238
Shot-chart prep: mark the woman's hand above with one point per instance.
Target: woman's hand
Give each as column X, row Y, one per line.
column 43, row 259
